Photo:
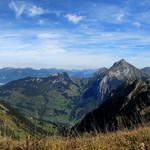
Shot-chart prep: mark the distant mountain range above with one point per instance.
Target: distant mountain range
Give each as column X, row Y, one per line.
column 126, row 107
column 146, row 70
column 10, row 74
column 62, row 99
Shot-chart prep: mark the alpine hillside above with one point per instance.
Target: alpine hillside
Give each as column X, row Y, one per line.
column 52, row 98
column 13, row 124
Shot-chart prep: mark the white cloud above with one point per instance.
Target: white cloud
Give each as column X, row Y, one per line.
column 74, row 18
column 41, row 22
column 19, row 9
column 120, row 16
column 34, row 11
column 52, row 47
column 28, row 9
column 48, row 35
column 138, row 24
column 107, row 13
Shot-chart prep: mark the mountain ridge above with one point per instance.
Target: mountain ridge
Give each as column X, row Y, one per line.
column 9, row 74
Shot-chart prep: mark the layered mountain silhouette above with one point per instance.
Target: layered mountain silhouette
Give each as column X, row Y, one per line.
column 10, row 74
column 102, row 84
column 126, row 107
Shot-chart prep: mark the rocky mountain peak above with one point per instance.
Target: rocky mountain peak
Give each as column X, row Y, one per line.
column 121, row 71
column 124, row 70
column 121, row 62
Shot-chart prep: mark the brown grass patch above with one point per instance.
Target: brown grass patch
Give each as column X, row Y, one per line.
column 137, row 139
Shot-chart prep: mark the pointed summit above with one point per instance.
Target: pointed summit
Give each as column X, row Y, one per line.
column 125, row 70
column 121, row 62
column 122, row 70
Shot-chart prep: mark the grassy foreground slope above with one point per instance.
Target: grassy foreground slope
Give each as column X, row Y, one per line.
column 137, row 139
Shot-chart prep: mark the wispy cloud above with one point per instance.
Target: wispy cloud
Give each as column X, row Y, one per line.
column 101, row 33
column 74, row 18
column 41, row 22
column 53, row 47
column 34, row 11
column 106, row 13
column 138, row 24
column 48, row 35
column 19, row 8
column 28, row 9
column 120, row 16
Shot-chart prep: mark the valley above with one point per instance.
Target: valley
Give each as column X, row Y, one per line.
column 59, row 101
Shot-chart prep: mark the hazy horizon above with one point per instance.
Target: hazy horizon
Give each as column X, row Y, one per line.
column 76, row 68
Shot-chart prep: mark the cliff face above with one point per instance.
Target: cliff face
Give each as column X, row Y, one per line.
column 125, row 107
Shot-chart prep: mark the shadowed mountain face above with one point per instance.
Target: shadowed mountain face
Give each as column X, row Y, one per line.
column 146, row 70
column 125, row 107
column 102, row 84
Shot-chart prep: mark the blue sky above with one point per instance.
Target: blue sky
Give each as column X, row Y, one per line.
column 74, row 34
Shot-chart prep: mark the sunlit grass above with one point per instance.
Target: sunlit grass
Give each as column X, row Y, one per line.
column 137, row 139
